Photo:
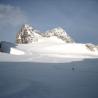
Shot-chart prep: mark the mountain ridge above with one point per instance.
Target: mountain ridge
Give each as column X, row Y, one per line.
column 56, row 36
column 28, row 34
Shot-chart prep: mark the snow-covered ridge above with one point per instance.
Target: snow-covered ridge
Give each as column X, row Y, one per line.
column 60, row 33
column 28, row 34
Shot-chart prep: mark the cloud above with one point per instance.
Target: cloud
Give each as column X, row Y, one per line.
column 11, row 18
column 10, row 15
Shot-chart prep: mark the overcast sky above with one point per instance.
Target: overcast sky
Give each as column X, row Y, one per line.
column 79, row 18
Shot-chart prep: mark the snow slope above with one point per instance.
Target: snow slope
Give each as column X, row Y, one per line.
column 49, row 49
column 53, row 46
column 57, row 49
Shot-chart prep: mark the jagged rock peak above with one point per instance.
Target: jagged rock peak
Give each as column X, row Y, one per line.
column 60, row 33
column 27, row 34
column 29, row 28
column 26, row 26
column 57, row 31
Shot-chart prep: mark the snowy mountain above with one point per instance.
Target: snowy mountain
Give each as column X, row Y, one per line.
column 52, row 46
column 55, row 42
column 28, row 34
column 60, row 33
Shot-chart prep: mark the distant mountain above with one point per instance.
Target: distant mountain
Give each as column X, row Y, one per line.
column 28, row 34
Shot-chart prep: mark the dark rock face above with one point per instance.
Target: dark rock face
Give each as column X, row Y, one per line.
column 0, row 44
column 0, row 47
column 6, row 46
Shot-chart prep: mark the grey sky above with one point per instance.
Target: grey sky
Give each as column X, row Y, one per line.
column 79, row 18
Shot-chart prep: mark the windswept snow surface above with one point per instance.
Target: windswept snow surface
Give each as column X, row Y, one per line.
column 49, row 80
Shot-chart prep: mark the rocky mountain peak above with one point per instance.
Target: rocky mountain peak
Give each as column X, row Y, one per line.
column 28, row 34
column 60, row 33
